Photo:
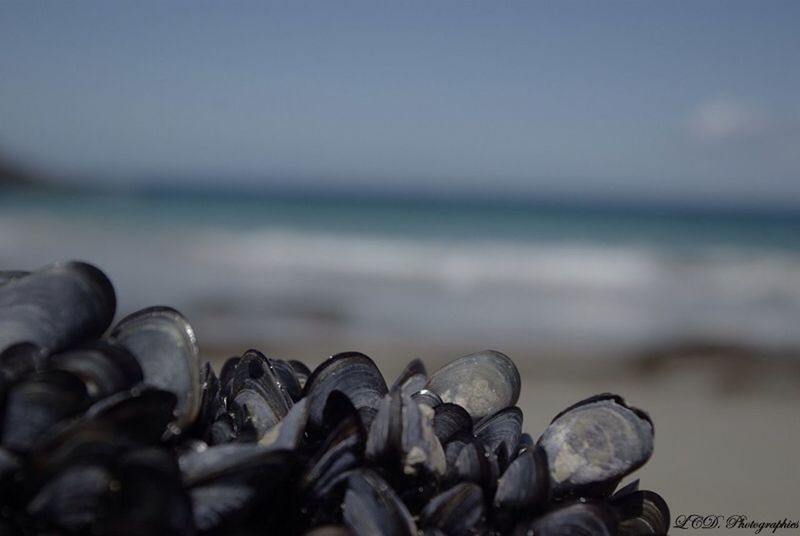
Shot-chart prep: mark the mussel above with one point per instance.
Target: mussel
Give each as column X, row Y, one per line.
column 128, row 435
column 482, row 383
column 56, row 307
column 595, row 443
column 164, row 344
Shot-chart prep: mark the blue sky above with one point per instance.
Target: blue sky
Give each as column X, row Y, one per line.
column 680, row 100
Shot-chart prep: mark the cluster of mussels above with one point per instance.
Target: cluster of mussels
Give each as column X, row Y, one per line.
column 125, row 433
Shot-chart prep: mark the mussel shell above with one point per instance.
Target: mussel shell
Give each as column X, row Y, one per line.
column 226, row 376
column 372, row 507
column 301, row 372
column 525, row 484
column 255, row 387
column 242, row 462
column 164, row 344
column 402, row 437
column 342, row 451
column 56, row 307
column 576, row 519
column 641, row 512
column 151, row 498
column 452, row 449
column 482, row 383
column 456, row 511
column 353, row 374
column 265, row 407
column 476, row 463
column 288, row 382
column 9, row 464
column 143, row 414
column 104, row 368
column 413, row 378
column 427, row 397
column 526, row 442
column 254, row 365
column 39, row 402
column 288, row 432
column 211, row 404
column 108, row 428
column 216, row 505
column 223, row 430
column 450, row 420
column 501, row 431
column 73, row 499
column 20, row 359
column 595, row 444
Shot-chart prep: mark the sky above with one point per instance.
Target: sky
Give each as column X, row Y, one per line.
column 680, row 100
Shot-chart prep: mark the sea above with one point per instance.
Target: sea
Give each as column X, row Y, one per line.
column 284, row 268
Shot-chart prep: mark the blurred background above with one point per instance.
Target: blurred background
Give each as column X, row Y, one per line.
column 609, row 193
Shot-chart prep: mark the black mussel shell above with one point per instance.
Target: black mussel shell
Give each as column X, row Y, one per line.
column 413, row 378
column 456, row 511
column 288, row 432
column 39, row 402
column 103, row 367
column 73, row 499
column 402, row 437
column 108, row 428
column 136, row 492
column 501, row 431
column 256, row 394
column 150, row 498
column 301, row 372
column 9, row 464
column 595, row 443
column 20, row 359
column 577, row 519
column 641, row 513
column 476, row 463
column 353, row 374
column 56, row 307
column 450, row 420
column 141, row 413
column 234, row 461
column 427, row 397
column 483, row 383
column 287, row 379
column 452, row 449
column 332, row 464
column 372, row 507
column 164, row 344
column 212, row 406
column 226, row 375
column 525, row 484
column 526, row 442
column 216, row 505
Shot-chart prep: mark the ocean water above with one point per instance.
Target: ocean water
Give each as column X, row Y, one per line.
column 285, row 269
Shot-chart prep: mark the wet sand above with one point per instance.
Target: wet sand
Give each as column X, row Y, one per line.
column 727, row 427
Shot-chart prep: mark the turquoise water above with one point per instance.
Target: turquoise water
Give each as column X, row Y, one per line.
column 459, row 219
column 466, row 272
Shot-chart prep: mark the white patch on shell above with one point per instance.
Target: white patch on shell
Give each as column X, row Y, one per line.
column 478, row 398
column 620, row 439
column 416, row 456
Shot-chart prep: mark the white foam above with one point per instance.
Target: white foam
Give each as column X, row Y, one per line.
column 487, row 291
